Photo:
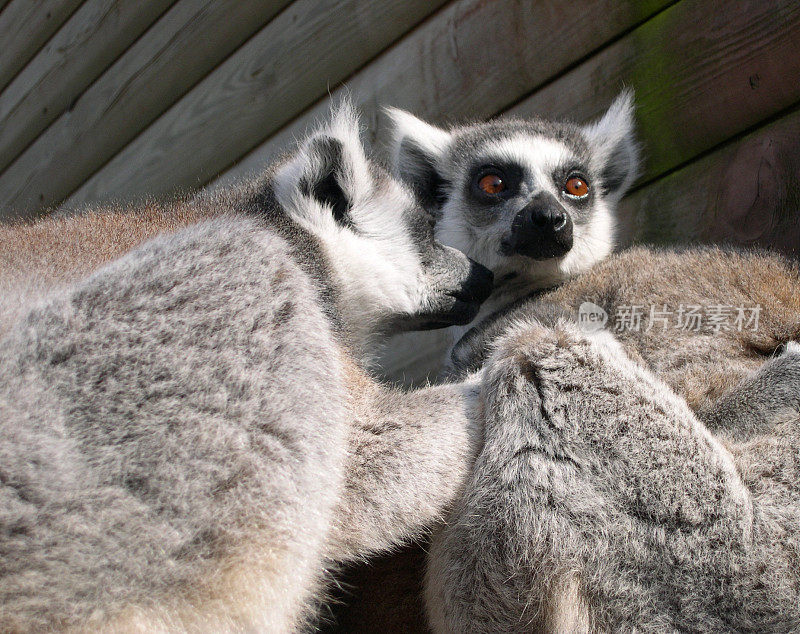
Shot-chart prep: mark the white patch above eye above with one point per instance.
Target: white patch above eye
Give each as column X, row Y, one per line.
column 538, row 155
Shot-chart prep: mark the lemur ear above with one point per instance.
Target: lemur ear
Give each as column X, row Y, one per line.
column 615, row 150
column 330, row 167
column 417, row 150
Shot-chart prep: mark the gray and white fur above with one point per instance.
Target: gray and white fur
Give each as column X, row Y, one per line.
column 533, row 234
column 188, row 436
column 549, row 248
column 726, row 377
column 600, row 503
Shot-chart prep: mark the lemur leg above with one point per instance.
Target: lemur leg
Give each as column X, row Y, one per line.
column 768, row 396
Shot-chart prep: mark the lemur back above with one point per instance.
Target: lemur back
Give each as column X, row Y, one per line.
column 521, row 197
column 703, row 356
column 187, row 426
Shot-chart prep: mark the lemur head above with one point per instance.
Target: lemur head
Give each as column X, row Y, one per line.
column 378, row 241
column 531, row 198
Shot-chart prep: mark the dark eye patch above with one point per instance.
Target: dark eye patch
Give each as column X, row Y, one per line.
column 509, row 175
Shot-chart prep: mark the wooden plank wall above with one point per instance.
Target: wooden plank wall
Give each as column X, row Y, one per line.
column 111, row 101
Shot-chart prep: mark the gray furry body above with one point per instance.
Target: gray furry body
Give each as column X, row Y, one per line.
column 600, row 502
column 188, row 435
column 702, row 363
column 586, row 561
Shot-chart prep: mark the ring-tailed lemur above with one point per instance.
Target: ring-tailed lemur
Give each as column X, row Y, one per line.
column 536, row 201
column 600, row 503
column 533, row 200
column 720, row 371
column 188, row 435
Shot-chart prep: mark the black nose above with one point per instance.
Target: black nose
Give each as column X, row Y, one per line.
column 548, row 219
column 541, row 230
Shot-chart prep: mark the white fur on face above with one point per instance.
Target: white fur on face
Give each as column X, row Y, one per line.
column 539, row 157
column 592, row 242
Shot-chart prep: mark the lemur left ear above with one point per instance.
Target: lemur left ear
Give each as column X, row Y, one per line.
column 614, row 147
column 417, row 150
column 330, row 166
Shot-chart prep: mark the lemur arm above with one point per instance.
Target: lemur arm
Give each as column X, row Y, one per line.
column 410, row 455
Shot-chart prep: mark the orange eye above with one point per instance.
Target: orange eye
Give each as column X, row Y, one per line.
column 576, row 186
column 491, row 184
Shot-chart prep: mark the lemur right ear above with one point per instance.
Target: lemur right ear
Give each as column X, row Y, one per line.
column 417, row 150
column 330, row 167
column 614, row 145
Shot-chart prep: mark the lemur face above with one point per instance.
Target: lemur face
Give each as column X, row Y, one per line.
column 378, row 238
column 531, row 198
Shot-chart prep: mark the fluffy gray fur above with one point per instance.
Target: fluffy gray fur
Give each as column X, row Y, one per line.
column 188, row 437
column 716, row 372
column 723, row 376
column 600, row 503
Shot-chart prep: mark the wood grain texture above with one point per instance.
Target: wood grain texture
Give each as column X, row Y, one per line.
column 472, row 59
column 25, row 25
column 746, row 193
column 695, row 86
column 701, row 76
column 181, row 48
column 281, row 70
column 80, row 51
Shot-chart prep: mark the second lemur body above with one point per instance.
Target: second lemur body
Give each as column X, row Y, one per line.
column 536, row 202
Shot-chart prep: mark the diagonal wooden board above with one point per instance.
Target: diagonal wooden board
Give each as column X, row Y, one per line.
column 76, row 55
column 25, row 25
column 449, row 64
column 182, row 47
column 282, row 69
